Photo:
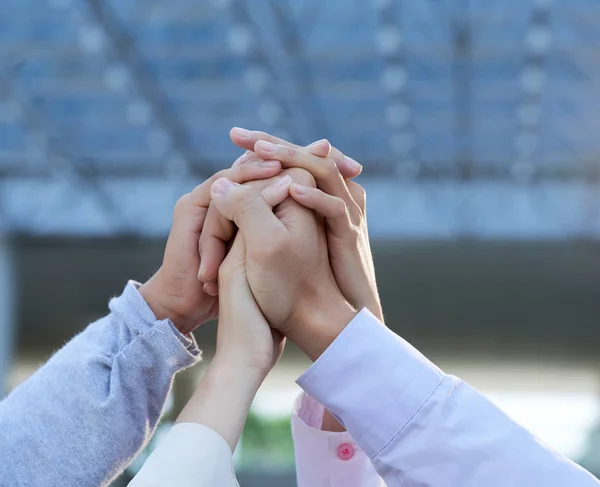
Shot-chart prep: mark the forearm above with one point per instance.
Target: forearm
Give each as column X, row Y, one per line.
column 81, row 418
column 223, row 398
column 422, row 427
column 198, row 450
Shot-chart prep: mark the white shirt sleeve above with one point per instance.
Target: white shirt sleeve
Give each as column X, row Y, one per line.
column 191, row 455
column 421, row 427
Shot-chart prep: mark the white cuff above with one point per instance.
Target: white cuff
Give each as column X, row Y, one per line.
column 191, row 455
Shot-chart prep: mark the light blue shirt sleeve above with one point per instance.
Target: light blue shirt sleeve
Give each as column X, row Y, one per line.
column 421, row 427
column 83, row 416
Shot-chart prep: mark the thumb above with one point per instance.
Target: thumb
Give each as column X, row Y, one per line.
column 235, row 263
column 320, row 148
column 249, row 210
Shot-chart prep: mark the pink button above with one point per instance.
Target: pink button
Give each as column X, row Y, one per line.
column 345, row 451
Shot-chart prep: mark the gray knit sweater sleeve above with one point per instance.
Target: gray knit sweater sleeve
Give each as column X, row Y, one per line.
column 82, row 417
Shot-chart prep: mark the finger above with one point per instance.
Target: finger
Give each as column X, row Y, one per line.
column 232, row 272
column 249, row 171
column 331, row 207
column 211, row 288
column 246, row 139
column 187, row 217
column 248, row 209
column 347, row 166
column 323, row 169
column 277, row 192
column 245, row 157
column 218, row 230
column 235, row 262
column 320, row 148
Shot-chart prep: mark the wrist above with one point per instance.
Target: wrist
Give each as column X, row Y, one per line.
column 319, row 326
column 162, row 308
column 329, row 423
column 223, row 399
column 234, row 366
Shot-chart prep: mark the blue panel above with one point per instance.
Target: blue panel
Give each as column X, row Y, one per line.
column 12, row 137
column 186, row 68
column 466, row 89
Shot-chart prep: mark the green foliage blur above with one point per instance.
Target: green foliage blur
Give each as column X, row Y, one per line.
column 266, row 444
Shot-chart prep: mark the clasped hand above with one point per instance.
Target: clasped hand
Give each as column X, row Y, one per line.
column 299, row 264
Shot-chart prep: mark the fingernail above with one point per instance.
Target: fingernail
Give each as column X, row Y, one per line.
column 200, row 271
column 352, row 164
column 268, row 163
column 299, row 189
column 242, row 133
column 222, row 186
column 266, row 146
column 284, row 181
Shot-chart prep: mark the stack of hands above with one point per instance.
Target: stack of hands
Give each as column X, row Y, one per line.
column 277, row 247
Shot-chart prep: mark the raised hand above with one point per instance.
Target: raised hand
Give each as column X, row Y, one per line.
column 247, row 347
column 244, row 337
column 343, row 204
column 247, row 139
column 341, row 201
column 218, row 231
column 174, row 292
column 287, row 264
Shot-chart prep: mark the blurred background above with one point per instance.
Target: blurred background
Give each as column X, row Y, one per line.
column 476, row 123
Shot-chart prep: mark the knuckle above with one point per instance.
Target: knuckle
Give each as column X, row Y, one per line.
column 223, row 173
column 328, row 169
column 280, row 245
column 301, row 176
column 244, row 200
column 182, row 204
column 340, row 207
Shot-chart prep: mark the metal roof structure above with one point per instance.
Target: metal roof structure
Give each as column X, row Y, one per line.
column 472, row 119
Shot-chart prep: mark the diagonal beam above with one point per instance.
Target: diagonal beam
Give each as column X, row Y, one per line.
column 294, row 47
column 258, row 56
column 126, row 49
